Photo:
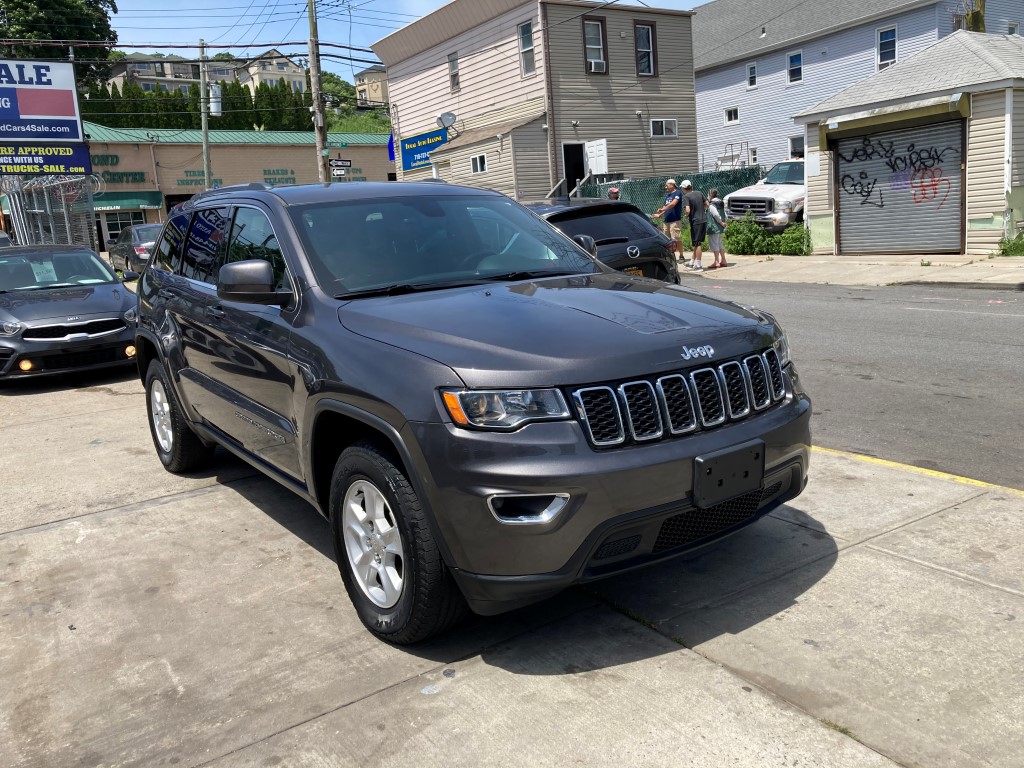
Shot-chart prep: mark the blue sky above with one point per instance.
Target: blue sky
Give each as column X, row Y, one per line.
column 247, row 25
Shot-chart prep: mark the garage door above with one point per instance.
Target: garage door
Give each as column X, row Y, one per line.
column 900, row 191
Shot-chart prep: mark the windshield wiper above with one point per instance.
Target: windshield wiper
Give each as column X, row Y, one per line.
column 397, row 289
column 527, row 274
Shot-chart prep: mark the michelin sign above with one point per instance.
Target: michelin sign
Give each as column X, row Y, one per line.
column 38, row 102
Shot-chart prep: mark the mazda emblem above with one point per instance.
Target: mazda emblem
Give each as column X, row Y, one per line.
column 632, row 251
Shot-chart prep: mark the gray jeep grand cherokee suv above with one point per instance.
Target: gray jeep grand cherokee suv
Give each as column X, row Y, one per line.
column 484, row 412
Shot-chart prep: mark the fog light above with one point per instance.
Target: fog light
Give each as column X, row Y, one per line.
column 26, row 365
column 129, row 351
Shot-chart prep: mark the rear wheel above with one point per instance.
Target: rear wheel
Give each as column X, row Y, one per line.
column 179, row 448
column 391, row 566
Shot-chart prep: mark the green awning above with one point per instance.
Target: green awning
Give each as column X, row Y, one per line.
column 127, row 201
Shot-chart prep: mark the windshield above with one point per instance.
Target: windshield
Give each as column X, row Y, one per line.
column 606, row 226
column 148, row 232
column 431, row 241
column 52, row 269
column 786, row 173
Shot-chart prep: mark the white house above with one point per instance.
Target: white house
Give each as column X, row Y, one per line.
column 758, row 64
column 531, row 96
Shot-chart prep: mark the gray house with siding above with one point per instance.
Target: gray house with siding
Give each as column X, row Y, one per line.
column 758, row 64
column 926, row 156
column 531, row 97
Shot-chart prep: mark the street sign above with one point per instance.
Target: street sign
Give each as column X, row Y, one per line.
column 337, row 144
column 337, row 171
column 336, row 163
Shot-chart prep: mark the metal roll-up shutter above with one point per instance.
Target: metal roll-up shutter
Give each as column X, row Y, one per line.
column 900, row 191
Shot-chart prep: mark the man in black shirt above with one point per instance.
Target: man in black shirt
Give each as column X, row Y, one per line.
column 695, row 205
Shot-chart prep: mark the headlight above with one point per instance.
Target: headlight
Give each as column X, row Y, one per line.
column 781, row 345
column 10, row 328
column 129, row 316
column 503, row 409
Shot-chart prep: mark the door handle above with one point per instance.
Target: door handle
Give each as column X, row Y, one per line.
column 215, row 313
column 165, row 293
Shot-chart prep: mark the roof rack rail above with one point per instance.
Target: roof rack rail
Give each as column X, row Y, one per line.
column 252, row 186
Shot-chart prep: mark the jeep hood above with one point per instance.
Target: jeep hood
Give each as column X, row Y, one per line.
column 557, row 331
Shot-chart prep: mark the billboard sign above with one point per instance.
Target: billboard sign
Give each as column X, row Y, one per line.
column 416, row 149
column 38, row 102
column 25, row 159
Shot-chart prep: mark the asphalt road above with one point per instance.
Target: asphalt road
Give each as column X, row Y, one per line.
column 928, row 376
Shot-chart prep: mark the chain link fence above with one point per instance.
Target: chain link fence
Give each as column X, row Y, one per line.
column 52, row 210
column 648, row 194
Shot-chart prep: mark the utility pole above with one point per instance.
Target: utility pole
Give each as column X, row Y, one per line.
column 319, row 125
column 204, row 111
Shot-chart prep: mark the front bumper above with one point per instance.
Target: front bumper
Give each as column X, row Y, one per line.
column 773, row 222
column 50, row 358
column 627, row 506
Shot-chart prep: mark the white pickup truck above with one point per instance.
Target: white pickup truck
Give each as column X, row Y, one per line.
column 776, row 201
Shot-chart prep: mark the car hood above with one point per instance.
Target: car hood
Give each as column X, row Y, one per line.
column 774, row 191
column 559, row 331
column 101, row 300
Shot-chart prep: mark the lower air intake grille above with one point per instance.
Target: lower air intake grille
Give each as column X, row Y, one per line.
column 617, row 547
column 695, row 524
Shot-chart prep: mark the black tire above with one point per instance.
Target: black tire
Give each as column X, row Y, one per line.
column 429, row 601
column 179, row 448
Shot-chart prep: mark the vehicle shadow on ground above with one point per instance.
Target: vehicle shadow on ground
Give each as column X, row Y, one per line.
column 612, row 622
column 64, row 381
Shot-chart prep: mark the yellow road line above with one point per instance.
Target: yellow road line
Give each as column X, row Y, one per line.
column 919, row 470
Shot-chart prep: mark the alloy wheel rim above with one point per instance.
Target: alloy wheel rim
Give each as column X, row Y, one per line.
column 373, row 544
column 160, row 408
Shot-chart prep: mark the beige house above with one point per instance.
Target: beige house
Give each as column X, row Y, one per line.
column 372, row 87
column 530, row 98
column 165, row 73
column 925, row 156
column 270, row 67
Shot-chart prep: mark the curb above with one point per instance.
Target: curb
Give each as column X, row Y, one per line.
column 953, row 284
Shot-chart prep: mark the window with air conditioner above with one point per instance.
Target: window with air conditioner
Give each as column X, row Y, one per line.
column 527, row 64
column 646, row 49
column 886, row 47
column 663, row 128
column 453, row 71
column 595, row 46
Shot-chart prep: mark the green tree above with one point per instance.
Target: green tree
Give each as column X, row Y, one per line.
column 86, row 20
column 359, row 122
column 110, row 111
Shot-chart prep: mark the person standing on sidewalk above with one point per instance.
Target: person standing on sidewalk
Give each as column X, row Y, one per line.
column 671, row 213
column 716, row 226
column 695, row 204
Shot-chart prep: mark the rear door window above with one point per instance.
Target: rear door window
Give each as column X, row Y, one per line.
column 204, row 246
column 167, row 253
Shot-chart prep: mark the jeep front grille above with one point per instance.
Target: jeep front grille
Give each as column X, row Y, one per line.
column 92, row 328
column 679, row 403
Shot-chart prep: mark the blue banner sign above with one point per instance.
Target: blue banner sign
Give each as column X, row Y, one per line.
column 27, row 159
column 415, row 149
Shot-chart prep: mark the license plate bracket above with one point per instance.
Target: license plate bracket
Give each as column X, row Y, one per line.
column 726, row 474
column 634, row 271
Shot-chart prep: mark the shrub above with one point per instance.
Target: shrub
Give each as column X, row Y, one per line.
column 747, row 237
column 1013, row 247
column 794, row 241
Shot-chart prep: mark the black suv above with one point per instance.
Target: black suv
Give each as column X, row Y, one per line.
column 483, row 421
column 625, row 237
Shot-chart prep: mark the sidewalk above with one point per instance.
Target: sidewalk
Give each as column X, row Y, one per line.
column 1001, row 273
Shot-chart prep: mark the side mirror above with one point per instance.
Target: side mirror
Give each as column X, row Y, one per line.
column 251, row 282
column 127, row 276
column 586, row 242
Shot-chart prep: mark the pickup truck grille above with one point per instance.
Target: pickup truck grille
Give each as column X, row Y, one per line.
column 738, row 206
column 676, row 404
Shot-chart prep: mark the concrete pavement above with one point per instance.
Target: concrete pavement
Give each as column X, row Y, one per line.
column 997, row 272
column 149, row 619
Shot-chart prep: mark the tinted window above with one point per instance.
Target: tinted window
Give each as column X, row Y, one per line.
column 607, row 227
column 204, row 245
column 148, row 233
column 427, row 240
column 167, row 253
column 125, row 236
column 252, row 237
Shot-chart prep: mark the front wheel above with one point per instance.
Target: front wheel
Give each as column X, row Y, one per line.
column 391, row 566
column 179, row 448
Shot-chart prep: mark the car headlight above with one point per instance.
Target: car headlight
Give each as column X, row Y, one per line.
column 503, row 408
column 10, row 328
column 130, row 315
column 781, row 345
